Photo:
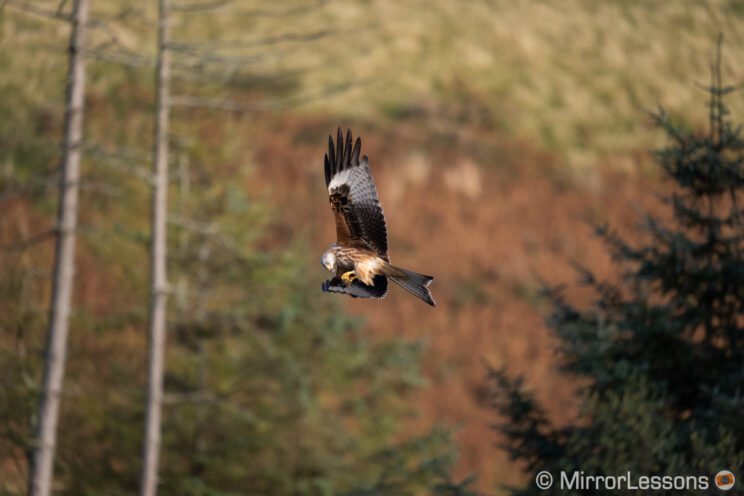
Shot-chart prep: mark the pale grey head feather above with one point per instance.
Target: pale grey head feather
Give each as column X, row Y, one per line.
column 328, row 260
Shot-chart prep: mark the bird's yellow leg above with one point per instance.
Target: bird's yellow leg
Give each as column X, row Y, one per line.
column 348, row 277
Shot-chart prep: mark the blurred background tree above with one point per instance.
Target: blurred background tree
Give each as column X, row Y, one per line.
column 661, row 352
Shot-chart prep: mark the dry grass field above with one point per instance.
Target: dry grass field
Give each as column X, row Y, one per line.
column 572, row 77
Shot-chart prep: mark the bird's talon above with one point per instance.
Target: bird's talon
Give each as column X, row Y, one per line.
column 348, row 277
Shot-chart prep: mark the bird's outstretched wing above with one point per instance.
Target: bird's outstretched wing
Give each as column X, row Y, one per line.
column 353, row 197
column 358, row 289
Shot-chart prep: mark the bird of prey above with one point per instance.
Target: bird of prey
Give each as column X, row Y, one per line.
column 359, row 257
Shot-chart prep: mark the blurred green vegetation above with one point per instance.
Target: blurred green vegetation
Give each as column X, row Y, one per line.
column 270, row 387
column 661, row 351
column 269, row 391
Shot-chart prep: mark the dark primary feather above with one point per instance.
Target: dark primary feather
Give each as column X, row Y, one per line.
column 354, row 201
column 339, row 150
column 358, row 289
column 331, row 157
column 327, row 171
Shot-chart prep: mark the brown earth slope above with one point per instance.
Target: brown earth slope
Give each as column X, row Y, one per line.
column 487, row 216
column 489, row 219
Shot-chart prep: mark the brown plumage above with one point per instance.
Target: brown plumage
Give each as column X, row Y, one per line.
column 360, row 256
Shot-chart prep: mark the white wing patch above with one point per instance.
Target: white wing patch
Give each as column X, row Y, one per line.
column 339, row 179
column 359, row 179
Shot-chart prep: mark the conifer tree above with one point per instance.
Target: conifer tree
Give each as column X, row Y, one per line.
column 41, row 473
column 158, row 257
column 663, row 349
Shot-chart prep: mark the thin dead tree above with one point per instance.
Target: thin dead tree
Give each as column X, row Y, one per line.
column 42, row 465
column 159, row 284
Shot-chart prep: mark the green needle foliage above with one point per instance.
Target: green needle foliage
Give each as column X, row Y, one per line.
column 663, row 349
column 271, row 389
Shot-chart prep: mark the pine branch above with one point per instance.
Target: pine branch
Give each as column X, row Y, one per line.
column 122, row 160
column 29, row 242
column 193, row 47
column 221, row 7
column 27, row 6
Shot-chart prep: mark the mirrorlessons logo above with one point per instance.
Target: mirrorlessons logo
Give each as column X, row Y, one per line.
column 581, row 481
column 725, row 480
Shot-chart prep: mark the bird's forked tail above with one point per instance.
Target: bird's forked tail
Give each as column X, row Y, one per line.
column 416, row 284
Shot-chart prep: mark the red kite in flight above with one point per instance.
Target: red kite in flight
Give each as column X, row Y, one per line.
column 359, row 257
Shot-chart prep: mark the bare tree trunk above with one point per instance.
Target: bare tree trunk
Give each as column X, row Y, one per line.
column 42, row 466
column 159, row 284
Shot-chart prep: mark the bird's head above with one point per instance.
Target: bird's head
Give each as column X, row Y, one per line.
column 329, row 260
